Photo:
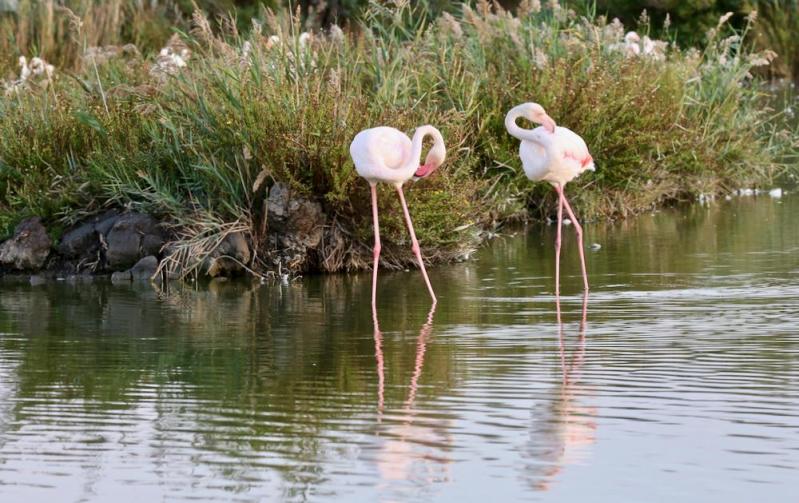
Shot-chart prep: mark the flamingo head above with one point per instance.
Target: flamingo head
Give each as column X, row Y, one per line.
column 536, row 113
column 435, row 158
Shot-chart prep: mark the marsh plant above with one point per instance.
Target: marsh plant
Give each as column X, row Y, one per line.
column 778, row 30
column 200, row 144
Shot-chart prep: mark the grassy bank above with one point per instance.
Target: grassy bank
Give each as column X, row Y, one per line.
column 199, row 144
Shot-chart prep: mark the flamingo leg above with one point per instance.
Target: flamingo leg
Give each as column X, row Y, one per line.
column 578, row 228
column 559, row 189
column 377, row 246
column 415, row 243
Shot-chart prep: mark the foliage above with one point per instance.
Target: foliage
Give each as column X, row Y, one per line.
column 778, row 29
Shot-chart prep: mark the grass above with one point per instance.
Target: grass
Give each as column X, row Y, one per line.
column 201, row 147
column 778, row 30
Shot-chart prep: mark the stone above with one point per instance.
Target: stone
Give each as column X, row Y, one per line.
column 298, row 221
column 28, row 248
column 84, row 243
column 151, row 243
column 104, row 222
column 306, row 222
column 234, row 245
column 144, row 268
column 78, row 241
column 37, row 279
column 133, row 236
column 277, row 205
column 121, row 277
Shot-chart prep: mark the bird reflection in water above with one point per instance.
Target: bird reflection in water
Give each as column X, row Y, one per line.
column 411, row 449
column 563, row 430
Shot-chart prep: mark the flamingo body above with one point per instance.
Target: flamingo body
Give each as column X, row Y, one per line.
column 383, row 154
column 569, row 156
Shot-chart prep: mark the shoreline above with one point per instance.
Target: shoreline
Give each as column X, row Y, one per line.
column 120, row 263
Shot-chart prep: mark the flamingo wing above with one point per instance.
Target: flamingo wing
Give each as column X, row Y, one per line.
column 534, row 160
column 574, row 150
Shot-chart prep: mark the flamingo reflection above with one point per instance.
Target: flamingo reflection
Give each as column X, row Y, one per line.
column 381, row 376
column 411, row 450
column 565, row 429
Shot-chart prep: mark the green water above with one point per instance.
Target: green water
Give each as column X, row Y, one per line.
column 681, row 385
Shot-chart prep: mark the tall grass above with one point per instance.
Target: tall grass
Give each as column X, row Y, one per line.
column 60, row 32
column 778, row 30
column 202, row 147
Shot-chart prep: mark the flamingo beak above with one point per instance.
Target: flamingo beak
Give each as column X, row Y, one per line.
column 423, row 171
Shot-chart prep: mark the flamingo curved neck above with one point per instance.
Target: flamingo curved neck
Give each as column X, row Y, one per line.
column 418, row 140
column 528, row 135
column 514, row 129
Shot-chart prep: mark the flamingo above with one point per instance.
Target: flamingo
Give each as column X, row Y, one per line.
column 387, row 155
column 556, row 155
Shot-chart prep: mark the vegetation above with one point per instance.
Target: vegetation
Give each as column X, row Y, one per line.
column 197, row 134
column 778, row 30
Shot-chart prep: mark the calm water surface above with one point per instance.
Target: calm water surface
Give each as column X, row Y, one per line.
column 681, row 385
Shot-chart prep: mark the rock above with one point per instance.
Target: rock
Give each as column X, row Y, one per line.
column 306, row 223
column 28, row 248
column 297, row 222
column 78, row 241
column 38, row 279
column 121, row 277
column 104, row 222
column 235, row 246
column 278, row 203
column 132, row 236
column 144, row 268
column 82, row 243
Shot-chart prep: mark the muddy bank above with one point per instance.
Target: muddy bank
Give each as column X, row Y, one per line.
column 134, row 246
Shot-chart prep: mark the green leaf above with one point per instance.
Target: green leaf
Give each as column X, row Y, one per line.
column 88, row 119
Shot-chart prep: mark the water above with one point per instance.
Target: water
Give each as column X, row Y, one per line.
column 681, row 385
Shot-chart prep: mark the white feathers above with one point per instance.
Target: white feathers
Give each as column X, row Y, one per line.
column 556, row 157
column 385, row 154
column 37, row 73
column 634, row 46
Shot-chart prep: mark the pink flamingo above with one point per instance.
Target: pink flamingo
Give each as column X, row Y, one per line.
column 384, row 154
column 554, row 154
